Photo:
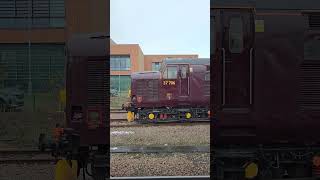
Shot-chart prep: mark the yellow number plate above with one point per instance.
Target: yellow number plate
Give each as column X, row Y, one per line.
column 169, row 83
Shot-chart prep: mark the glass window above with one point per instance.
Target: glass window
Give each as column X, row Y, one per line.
column 236, row 35
column 207, row 76
column 172, row 72
column 128, row 63
column 47, row 65
column 117, row 63
column 120, row 83
column 49, row 13
column 120, row 63
column 57, row 22
column 165, row 74
column 155, row 66
column 184, row 71
column 40, row 22
column 312, row 48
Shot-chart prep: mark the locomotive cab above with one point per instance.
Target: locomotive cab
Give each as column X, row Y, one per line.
column 85, row 140
column 265, row 96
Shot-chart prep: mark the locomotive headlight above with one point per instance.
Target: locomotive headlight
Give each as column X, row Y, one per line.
column 188, row 115
column 151, row 116
column 251, row 170
column 139, row 99
column 316, row 160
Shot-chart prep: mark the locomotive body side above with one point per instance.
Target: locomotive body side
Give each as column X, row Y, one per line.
column 84, row 140
column 145, row 89
column 181, row 87
column 265, row 94
column 271, row 83
column 87, row 89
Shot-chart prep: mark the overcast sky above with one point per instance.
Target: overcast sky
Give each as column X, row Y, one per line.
column 162, row 26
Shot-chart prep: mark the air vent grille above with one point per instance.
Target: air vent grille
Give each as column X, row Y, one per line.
column 98, row 84
column 310, row 85
column 314, row 21
column 148, row 89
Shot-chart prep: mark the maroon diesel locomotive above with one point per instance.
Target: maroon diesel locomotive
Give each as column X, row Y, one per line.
column 180, row 91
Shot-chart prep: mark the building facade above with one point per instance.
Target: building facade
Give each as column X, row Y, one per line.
column 33, row 35
column 129, row 58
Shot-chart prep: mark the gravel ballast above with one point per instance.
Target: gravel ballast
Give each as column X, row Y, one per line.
column 123, row 165
column 160, row 164
column 161, row 135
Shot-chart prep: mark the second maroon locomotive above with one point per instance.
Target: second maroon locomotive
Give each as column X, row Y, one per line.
column 179, row 91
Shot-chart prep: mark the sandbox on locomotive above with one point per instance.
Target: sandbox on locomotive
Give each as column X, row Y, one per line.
column 179, row 91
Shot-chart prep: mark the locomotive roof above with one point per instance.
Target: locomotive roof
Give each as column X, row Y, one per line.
column 93, row 44
column 270, row 4
column 187, row 61
column 145, row 75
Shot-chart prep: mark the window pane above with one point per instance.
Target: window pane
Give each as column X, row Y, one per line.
column 184, row 72
column 128, row 63
column 312, row 49
column 111, row 64
column 235, row 35
column 19, row 10
column 120, row 63
column 117, row 64
column 56, row 22
column 207, row 76
column 40, row 22
column 165, row 74
column 7, row 22
column 155, row 66
column 172, row 73
column 47, row 66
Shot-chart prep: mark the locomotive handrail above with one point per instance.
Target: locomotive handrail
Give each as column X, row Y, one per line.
column 251, row 50
column 223, row 76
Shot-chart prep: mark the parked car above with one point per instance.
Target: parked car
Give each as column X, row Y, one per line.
column 114, row 92
column 11, row 99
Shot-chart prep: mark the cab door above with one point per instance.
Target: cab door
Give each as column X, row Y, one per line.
column 232, row 75
column 236, row 57
column 184, row 80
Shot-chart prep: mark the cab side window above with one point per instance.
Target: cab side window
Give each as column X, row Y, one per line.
column 184, row 70
column 236, row 35
column 172, row 73
column 312, row 48
column 207, row 76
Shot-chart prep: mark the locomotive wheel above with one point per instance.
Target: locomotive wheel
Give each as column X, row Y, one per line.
column 99, row 173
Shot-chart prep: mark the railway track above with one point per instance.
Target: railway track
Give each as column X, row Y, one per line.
column 134, row 124
column 32, row 156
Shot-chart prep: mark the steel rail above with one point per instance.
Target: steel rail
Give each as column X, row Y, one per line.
column 28, row 161
column 123, row 149
column 160, row 149
column 159, row 124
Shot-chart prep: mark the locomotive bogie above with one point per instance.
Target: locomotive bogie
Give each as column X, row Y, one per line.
column 171, row 115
